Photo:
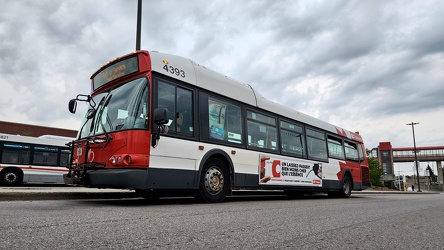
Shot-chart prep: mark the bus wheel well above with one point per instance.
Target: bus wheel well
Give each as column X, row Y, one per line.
column 224, row 159
column 11, row 176
column 223, row 156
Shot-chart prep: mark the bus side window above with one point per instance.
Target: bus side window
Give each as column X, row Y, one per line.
column 254, row 135
column 224, row 121
column 292, row 139
column 361, row 153
column 216, row 119
column 16, row 153
column 351, row 151
column 234, row 123
column 166, row 99
column 45, row 155
column 64, row 158
column 316, row 144
column 262, row 131
column 179, row 102
column 184, row 115
column 335, row 148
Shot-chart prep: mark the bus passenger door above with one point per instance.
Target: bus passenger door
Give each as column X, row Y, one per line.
column 173, row 160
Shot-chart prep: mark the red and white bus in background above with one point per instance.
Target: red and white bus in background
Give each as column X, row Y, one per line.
column 37, row 160
column 158, row 122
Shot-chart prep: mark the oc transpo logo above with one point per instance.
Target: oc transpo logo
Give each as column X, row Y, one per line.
column 90, row 155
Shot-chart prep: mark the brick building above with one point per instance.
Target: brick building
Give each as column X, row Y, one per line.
column 33, row 130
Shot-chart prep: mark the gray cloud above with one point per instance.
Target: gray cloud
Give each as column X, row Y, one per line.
column 348, row 61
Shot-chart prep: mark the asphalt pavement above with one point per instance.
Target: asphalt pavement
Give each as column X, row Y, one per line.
column 40, row 192
column 55, row 192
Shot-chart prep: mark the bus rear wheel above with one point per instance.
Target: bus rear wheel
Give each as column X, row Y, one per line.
column 346, row 188
column 214, row 181
column 11, row 177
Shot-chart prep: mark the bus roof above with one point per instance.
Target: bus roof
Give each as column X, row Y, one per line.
column 34, row 140
column 234, row 89
column 201, row 76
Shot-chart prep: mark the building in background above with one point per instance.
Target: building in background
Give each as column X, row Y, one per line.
column 387, row 156
column 13, row 128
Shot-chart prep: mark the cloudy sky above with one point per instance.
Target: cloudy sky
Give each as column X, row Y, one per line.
column 369, row 66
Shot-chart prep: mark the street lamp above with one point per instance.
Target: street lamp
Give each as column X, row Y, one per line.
column 139, row 24
column 416, row 158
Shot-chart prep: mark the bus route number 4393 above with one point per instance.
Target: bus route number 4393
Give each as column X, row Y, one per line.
column 174, row 70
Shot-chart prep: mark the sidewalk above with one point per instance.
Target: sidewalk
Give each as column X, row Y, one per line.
column 40, row 192
column 393, row 192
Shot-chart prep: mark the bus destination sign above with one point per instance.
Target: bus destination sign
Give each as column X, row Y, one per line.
column 116, row 70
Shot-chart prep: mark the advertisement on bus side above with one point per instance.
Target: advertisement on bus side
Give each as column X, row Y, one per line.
column 292, row 172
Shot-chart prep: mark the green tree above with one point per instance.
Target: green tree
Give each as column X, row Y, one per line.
column 433, row 177
column 376, row 171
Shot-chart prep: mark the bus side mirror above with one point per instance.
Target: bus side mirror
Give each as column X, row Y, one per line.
column 72, row 106
column 160, row 118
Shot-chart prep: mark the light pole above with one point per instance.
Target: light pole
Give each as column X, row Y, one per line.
column 416, row 158
column 139, row 24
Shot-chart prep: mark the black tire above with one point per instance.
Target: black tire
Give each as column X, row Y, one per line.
column 214, row 182
column 11, row 177
column 346, row 188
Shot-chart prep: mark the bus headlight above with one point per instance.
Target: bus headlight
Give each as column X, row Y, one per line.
column 120, row 160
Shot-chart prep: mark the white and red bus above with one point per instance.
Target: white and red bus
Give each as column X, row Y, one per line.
column 159, row 122
column 39, row 160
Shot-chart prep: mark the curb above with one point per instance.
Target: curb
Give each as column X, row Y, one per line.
column 394, row 192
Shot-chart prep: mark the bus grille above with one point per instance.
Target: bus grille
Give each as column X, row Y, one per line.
column 365, row 176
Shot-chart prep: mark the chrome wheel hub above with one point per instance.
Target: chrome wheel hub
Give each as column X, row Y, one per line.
column 10, row 178
column 214, row 180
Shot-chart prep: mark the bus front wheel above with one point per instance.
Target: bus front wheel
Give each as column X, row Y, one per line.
column 11, row 177
column 214, row 182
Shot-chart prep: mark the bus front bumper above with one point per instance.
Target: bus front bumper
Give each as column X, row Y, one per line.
column 109, row 178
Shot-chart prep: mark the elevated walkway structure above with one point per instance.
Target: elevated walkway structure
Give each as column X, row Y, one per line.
column 387, row 155
column 432, row 153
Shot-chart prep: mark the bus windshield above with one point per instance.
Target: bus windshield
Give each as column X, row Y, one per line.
column 121, row 108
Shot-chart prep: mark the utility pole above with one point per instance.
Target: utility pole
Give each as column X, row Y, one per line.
column 139, row 24
column 414, row 148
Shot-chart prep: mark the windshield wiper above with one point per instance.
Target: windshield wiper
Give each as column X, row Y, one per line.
column 107, row 137
column 91, row 114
